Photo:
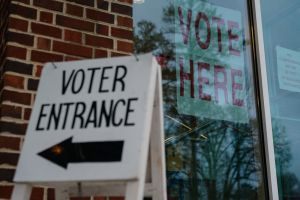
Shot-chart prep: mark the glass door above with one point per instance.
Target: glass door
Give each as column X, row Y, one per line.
column 282, row 53
column 212, row 124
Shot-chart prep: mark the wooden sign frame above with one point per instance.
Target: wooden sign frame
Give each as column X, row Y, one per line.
column 151, row 180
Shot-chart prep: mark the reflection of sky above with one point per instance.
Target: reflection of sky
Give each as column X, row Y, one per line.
column 151, row 10
column 277, row 16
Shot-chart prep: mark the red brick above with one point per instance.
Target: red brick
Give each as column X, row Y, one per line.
column 102, row 29
column 125, row 21
column 126, row 1
column 12, row 143
column 73, row 36
column 121, row 9
column 37, row 193
column 44, row 57
column 99, row 198
column 32, row 84
column 49, row 4
column 5, row 191
column 12, row 127
column 18, row 67
column 80, row 198
column 13, row 81
column 43, row 43
column 122, row 33
column 98, row 41
column 101, row 4
column 84, row 2
column 7, row 175
column 38, row 70
column 16, row 97
column 72, row 49
column 125, row 46
column 27, row 113
column 46, row 17
column 18, row 24
column 43, row 29
column 9, row 158
column 50, row 194
column 23, row 11
column 116, row 198
column 11, row 111
column 70, row 58
column 74, row 23
column 74, row 10
column 100, row 16
column 20, row 38
column 100, row 53
column 23, row 1
column 116, row 54
column 16, row 52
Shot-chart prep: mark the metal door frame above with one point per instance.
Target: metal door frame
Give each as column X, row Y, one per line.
column 264, row 101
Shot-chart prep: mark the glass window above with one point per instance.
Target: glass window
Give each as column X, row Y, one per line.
column 282, row 45
column 212, row 129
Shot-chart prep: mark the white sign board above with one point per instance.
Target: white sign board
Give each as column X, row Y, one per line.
column 288, row 65
column 91, row 121
column 210, row 61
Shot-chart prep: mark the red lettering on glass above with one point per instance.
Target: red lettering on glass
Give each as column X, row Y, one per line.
column 203, row 45
column 236, row 86
column 220, row 22
column 185, row 31
column 231, row 37
column 203, row 80
column 220, row 84
column 186, row 76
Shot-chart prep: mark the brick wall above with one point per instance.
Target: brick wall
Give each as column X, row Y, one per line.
column 37, row 31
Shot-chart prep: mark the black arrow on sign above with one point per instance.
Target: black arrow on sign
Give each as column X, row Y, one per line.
column 67, row 152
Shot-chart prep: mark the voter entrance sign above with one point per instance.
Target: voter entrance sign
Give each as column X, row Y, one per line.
column 91, row 122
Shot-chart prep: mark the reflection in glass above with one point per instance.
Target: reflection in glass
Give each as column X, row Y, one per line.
column 209, row 159
column 282, row 47
column 212, row 134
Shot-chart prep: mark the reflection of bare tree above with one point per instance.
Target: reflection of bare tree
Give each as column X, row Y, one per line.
column 288, row 183
column 222, row 159
column 281, row 144
column 226, row 164
column 230, row 157
column 206, row 158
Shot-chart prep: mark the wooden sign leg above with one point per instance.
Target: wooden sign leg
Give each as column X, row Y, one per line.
column 134, row 190
column 157, row 148
column 21, row 192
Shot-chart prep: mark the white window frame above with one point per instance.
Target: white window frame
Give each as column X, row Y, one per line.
column 264, row 101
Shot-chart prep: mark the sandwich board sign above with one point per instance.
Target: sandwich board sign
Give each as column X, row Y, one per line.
column 91, row 124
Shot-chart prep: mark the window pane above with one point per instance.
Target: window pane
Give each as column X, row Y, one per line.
column 212, row 131
column 282, row 45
